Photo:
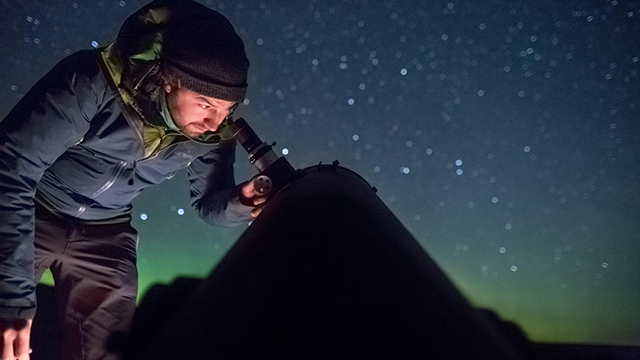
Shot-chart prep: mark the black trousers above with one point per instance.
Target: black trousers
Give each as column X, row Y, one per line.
column 96, row 280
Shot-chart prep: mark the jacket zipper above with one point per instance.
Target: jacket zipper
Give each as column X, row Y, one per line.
column 81, row 210
column 112, row 180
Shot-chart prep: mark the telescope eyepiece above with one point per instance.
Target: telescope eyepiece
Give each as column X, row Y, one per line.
column 261, row 155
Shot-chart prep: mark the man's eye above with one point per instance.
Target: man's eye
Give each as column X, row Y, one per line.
column 204, row 106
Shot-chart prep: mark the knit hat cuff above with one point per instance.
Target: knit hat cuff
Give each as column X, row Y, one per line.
column 210, row 88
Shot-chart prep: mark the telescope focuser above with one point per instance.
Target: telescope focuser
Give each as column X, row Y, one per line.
column 274, row 172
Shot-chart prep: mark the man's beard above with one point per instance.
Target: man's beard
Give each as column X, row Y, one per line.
column 172, row 106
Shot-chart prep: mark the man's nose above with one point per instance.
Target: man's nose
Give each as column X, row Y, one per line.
column 212, row 121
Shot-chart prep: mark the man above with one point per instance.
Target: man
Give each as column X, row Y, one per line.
column 95, row 131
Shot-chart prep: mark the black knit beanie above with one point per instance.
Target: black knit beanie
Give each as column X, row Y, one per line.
column 206, row 56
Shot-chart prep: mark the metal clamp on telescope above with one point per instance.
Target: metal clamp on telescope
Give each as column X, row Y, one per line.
column 274, row 172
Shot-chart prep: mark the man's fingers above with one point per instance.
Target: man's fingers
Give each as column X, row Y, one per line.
column 8, row 336
column 249, row 197
column 249, row 193
column 15, row 339
column 259, row 200
column 248, row 190
column 256, row 211
column 22, row 350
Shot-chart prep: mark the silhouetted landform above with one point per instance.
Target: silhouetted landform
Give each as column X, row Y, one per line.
column 327, row 272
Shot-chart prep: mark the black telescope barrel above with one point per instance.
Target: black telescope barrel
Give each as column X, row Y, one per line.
column 327, row 272
column 245, row 135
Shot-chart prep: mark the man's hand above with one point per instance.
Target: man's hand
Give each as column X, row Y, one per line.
column 250, row 197
column 15, row 339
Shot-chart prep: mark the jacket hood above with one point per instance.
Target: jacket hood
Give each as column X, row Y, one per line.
column 134, row 59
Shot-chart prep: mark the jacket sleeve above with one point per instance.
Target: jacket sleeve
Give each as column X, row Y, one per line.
column 214, row 194
column 51, row 117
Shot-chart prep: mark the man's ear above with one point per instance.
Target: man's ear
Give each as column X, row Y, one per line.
column 167, row 87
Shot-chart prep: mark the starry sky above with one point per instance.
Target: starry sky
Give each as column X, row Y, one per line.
column 503, row 134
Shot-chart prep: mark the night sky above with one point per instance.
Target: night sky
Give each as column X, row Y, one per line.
column 503, row 134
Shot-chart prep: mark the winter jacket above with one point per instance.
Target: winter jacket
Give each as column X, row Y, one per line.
column 89, row 137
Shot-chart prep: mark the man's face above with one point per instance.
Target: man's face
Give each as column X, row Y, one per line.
column 193, row 113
